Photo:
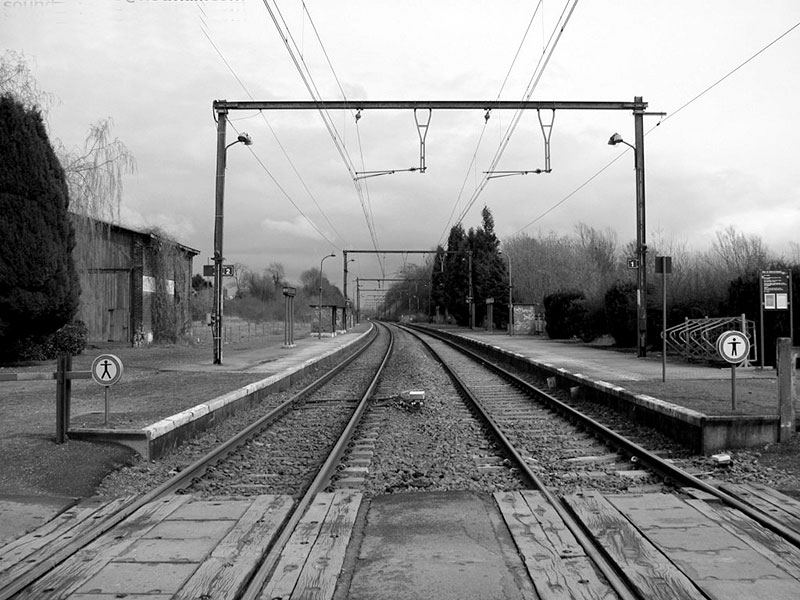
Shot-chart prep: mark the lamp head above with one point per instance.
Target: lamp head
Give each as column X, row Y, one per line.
column 245, row 139
column 615, row 139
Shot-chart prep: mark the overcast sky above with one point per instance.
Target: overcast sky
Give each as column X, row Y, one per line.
column 155, row 66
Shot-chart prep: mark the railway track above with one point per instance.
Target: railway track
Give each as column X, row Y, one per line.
column 599, row 457
column 324, row 414
column 301, row 475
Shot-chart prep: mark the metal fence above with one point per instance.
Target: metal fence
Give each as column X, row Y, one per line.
column 696, row 339
column 237, row 331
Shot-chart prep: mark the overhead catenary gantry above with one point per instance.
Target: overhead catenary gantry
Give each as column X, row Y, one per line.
column 638, row 107
column 423, row 110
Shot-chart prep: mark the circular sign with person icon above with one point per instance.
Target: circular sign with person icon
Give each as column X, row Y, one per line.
column 733, row 346
column 106, row 369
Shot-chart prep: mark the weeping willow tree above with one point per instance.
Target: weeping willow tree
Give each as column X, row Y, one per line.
column 94, row 171
column 95, row 175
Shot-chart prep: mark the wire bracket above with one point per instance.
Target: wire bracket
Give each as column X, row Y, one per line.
column 422, row 130
column 547, row 128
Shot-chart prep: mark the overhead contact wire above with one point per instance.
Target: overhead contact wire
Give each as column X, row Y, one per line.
column 667, row 117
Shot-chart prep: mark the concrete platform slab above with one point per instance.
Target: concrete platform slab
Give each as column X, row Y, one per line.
column 20, row 514
column 437, row 545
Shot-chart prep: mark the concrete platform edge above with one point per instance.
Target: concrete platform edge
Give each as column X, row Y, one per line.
column 157, row 440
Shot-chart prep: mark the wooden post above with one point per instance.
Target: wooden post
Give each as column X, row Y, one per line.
column 787, row 392
column 63, row 392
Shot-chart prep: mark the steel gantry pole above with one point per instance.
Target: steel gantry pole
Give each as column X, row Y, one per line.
column 216, row 325
column 641, row 241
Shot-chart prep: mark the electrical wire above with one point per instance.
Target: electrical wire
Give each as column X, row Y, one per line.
column 275, row 136
column 474, row 158
column 308, row 81
column 663, row 120
column 285, row 193
column 544, row 60
column 538, row 72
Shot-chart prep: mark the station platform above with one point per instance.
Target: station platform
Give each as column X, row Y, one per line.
column 705, row 406
column 607, row 363
column 273, row 366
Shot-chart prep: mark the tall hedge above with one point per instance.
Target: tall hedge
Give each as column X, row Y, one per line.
column 39, row 289
column 564, row 314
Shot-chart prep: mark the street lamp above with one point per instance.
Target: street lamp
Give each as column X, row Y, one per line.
column 222, row 151
column 510, row 301
column 641, row 245
column 344, row 284
column 319, row 304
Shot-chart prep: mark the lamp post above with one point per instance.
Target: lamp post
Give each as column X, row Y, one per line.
column 641, row 244
column 471, row 299
column 510, row 300
column 344, row 285
column 222, row 150
column 319, row 304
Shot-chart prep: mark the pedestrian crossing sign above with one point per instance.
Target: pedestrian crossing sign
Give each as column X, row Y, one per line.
column 106, row 369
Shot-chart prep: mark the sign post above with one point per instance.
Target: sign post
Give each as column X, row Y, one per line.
column 288, row 316
column 106, row 371
column 733, row 347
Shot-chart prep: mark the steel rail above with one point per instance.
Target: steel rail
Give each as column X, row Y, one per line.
column 179, row 481
column 664, row 468
column 321, row 481
column 598, row 558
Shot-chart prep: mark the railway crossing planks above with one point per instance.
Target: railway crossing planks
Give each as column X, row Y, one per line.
column 178, row 547
column 89, row 562
column 23, row 554
column 710, row 546
column 780, row 507
column 646, row 568
column 556, row 563
column 310, row 564
column 769, row 544
column 234, row 559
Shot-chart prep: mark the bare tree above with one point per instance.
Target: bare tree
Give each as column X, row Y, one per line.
column 17, row 80
column 95, row 172
column 277, row 272
column 739, row 253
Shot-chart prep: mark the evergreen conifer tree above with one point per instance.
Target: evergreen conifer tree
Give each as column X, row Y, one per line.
column 39, row 288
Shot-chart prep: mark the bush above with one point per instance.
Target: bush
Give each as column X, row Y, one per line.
column 594, row 322
column 70, row 339
column 620, row 309
column 564, row 313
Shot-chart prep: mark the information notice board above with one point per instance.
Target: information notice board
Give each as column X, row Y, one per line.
column 776, row 294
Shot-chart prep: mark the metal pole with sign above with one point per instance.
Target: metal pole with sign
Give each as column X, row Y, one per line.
column 733, row 347
column 106, row 371
column 288, row 316
column 663, row 266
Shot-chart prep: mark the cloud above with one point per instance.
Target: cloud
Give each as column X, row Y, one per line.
column 297, row 227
